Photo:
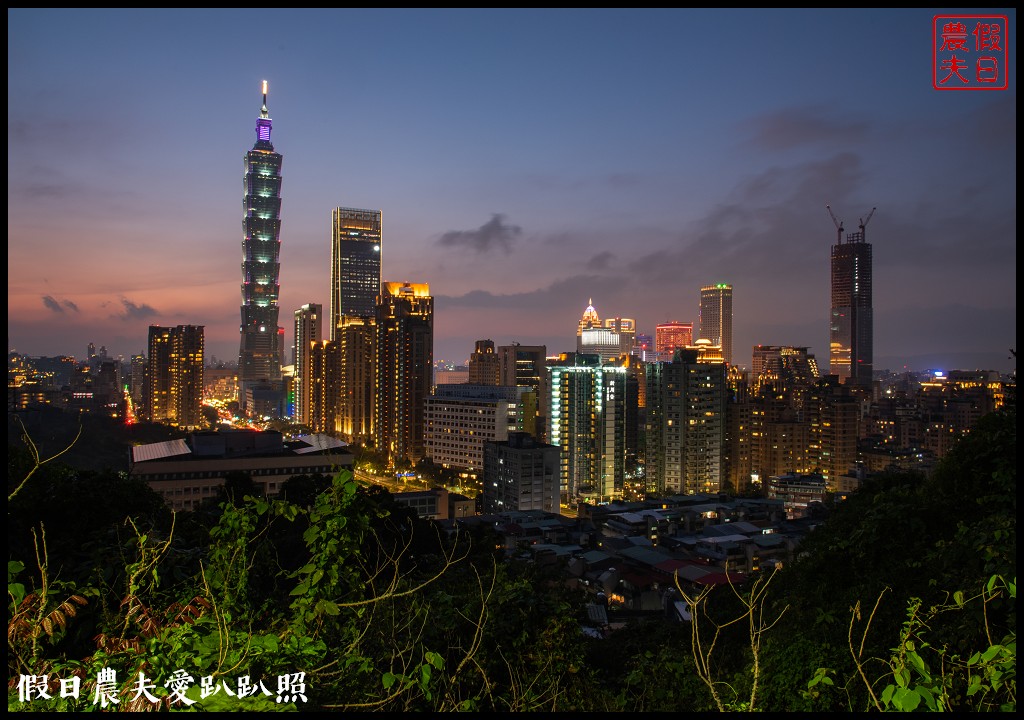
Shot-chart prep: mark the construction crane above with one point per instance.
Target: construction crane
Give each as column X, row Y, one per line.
column 839, row 225
column 864, row 222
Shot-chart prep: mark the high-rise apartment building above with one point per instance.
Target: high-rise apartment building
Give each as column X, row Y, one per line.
column 174, row 376
column 685, row 440
column 355, row 264
column 834, row 411
column 520, row 473
column 405, row 359
column 716, row 317
column 324, row 388
column 588, row 422
column 308, row 329
column 851, row 323
column 357, row 350
column 669, row 336
column 259, row 354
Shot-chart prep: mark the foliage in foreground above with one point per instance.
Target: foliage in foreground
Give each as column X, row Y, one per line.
column 337, row 598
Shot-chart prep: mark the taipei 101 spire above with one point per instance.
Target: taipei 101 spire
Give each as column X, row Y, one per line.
column 259, row 354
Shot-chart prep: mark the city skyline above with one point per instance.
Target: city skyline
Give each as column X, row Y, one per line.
column 528, row 161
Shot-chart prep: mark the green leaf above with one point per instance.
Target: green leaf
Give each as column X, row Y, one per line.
column 907, row 700
column 918, row 663
column 887, row 694
column 17, row 590
column 990, row 653
column 928, row 697
column 387, row 680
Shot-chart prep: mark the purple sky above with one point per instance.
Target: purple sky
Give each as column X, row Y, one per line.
column 525, row 161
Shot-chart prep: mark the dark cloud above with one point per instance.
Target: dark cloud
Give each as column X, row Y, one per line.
column 58, row 306
column 52, row 304
column 773, row 223
column 136, row 312
column 568, row 292
column 804, row 125
column 601, row 261
column 494, row 234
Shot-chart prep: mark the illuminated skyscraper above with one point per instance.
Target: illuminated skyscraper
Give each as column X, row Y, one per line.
column 357, row 348
column 259, row 354
column 355, row 264
column 405, row 359
column 850, row 329
column 173, row 378
column 588, row 422
column 308, row 329
column 716, row 317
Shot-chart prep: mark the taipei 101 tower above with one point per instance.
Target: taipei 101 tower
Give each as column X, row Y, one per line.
column 259, row 354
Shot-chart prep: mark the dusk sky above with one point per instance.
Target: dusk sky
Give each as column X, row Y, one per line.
column 525, row 161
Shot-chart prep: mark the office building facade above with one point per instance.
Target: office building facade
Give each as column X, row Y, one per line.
column 716, row 317
column 484, row 364
column 525, row 366
column 669, row 336
column 461, row 418
column 355, row 264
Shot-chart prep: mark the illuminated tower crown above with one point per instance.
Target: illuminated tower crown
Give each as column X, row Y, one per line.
column 589, row 319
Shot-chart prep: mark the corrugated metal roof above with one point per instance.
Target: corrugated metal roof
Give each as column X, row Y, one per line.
column 319, row 443
column 597, row 613
column 156, row 451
